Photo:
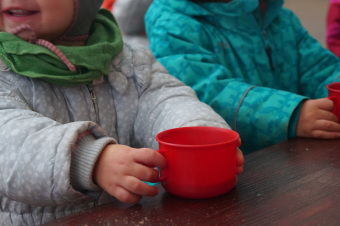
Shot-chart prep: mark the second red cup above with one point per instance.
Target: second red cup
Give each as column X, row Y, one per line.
column 334, row 95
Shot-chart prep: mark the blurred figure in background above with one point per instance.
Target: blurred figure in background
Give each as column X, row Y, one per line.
column 333, row 27
column 130, row 18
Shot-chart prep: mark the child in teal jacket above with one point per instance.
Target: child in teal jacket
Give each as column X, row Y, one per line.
column 250, row 60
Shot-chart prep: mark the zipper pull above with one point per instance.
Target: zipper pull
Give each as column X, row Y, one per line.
column 93, row 95
column 94, row 101
column 269, row 54
column 268, row 50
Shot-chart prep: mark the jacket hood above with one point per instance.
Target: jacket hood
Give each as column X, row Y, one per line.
column 84, row 14
column 232, row 9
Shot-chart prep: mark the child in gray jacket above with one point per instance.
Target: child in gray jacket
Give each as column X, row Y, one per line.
column 79, row 111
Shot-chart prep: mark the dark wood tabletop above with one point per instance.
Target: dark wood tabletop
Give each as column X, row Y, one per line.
column 296, row 182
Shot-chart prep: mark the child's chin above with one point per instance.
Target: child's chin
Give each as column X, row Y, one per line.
column 25, row 35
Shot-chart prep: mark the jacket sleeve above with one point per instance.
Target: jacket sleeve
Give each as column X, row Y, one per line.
column 35, row 152
column 261, row 115
column 317, row 66
column 165, row 102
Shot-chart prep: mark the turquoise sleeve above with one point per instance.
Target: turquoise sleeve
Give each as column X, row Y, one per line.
column 293, row 121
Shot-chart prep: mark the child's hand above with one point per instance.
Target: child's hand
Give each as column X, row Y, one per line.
column 317, row 120
column 120, row 170
column 239, row 161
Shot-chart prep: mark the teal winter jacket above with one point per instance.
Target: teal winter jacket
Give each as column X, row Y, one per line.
column 254, row 70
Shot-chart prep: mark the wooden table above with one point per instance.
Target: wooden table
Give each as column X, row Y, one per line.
column 292, row 183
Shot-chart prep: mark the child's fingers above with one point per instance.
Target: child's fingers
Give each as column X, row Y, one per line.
column 144, row 173
column 239, row 170
column 239, row 161
column 124, row 195
column 138, row 187
column 239, row 157
column 324, row 104
column 327, row 126
column 149, row 157
column 325, row 134
column 327, row 115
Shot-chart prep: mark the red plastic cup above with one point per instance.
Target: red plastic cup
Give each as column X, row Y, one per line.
column 334, row 95
column 201, row 161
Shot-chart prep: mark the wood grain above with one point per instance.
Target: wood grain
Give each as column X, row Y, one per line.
column 296, row 182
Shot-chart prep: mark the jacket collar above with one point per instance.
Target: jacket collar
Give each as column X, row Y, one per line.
column 235, row 8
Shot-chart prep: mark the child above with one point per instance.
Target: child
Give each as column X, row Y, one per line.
column 79, row 111
column 250, row 60
column 130, row 18
column 333, row 27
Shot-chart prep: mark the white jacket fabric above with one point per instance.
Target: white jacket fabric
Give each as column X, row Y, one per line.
column 52, row 135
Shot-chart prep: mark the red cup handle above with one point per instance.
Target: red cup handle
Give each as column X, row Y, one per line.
column 160, row 152
column 162, row 177
column 331, row 98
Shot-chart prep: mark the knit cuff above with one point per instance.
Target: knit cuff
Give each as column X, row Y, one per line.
column 83, row 160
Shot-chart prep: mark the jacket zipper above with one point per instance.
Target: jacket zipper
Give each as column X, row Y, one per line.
column 94, row 101
column 268, row 50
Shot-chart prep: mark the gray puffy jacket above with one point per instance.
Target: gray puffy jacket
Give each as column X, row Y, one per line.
column 52, row 135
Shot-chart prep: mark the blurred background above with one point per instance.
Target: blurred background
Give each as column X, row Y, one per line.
column 312, row 14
